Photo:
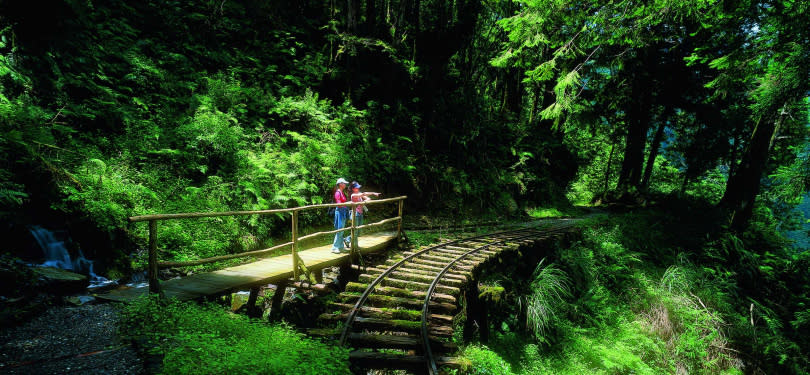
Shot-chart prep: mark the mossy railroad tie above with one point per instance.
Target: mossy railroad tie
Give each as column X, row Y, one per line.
column 400, row 292
column 390, row 318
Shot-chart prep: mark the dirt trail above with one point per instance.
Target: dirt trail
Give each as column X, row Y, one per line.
column 68, row 340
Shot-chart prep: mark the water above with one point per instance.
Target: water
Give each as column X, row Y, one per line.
column 57, row 256
column 138, row 280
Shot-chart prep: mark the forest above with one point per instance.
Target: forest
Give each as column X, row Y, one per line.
column 685, row 124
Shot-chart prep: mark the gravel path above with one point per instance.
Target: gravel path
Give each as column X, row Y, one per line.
column 68, row 340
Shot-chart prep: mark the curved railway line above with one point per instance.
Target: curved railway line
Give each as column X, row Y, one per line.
column 401, row 317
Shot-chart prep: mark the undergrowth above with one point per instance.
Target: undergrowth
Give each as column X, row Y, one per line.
column 625, row 314
column 194, row 339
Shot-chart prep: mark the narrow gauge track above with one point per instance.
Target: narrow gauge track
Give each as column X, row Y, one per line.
column 410, row 305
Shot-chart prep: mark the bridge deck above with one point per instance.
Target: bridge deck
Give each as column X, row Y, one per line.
column 264, row 271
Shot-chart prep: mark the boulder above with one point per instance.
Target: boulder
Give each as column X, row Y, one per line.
column 60, row 281
column 238, row 300
column 79, row 300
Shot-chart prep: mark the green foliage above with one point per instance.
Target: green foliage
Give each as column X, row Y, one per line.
column 626, row 348
column 421, row 239
column 549, row 287
column 20, row 124
column 112, row 109
column 209, row 165
column 601, row 260
column 208, row 340
column 540, row 212
column 483, row 361
column 212, row 133
column 617, row 320
column 792, row 181
column 693, row 332
column 598, row 173
column 107, row 193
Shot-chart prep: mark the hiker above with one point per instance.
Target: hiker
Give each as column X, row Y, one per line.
column 341, row 213
column 361, row 209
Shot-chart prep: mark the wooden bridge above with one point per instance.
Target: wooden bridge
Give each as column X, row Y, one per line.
column 396, row 316
column 292, row 264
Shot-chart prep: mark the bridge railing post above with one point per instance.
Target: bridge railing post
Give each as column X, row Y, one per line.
column 353, row 231
column 152, row 269
column 399, row 224
column 295, row 244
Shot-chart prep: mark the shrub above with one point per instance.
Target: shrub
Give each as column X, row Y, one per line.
column 484, row 361
column 207, row 340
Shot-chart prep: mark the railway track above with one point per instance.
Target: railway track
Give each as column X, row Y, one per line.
column 400, row 316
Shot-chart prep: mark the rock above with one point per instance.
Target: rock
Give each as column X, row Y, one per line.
column 238, row 300
column 100, row 289
column 79, row 300
column 59, row 281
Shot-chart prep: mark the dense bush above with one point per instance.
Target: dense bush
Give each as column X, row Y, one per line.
column 483, row 361
column 207, row 340
column 680, row 311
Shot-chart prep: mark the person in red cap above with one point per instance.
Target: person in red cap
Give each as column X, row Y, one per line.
column 341, row 213
column 358, row 196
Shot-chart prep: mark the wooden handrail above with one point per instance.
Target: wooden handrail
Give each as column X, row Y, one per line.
column 257, row 212
column 154, row 264
column 222, row 257
column 316, row 234
column 381, row 222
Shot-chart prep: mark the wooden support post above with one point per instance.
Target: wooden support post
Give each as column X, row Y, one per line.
column 295, row 244
column 353, row 232
column 399, row 214
column 278, row 296
column 297, row 263
column 152, row 268
column 472, row 300
column 251, row 303
column 318, row 274
column 483, row 321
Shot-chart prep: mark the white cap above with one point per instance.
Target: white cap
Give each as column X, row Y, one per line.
column 341, row 181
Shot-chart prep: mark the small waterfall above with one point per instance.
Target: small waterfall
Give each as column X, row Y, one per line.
column 138, row 280
column 57, row 256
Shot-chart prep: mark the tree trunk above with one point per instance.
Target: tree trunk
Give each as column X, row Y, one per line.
column 732, row 162
column 607, row 168
column 684, row 183
column 371, row 17
column 417, row 5
column 512, row 91
column 655, row 146
column 743, row 186
column 637, row 121
column 638, row 116
column 630, row 174
column 352, row 15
